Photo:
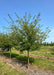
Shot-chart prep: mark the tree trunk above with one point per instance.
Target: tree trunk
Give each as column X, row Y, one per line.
column 28, row 59
column 3, row 55
column 10, row 54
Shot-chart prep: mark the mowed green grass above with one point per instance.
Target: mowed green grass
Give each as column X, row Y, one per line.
column 40, row 54
column 7, row 70
column 46, row 49
column 42, row 51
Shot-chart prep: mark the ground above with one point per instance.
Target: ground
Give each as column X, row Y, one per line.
column 39, row 64
column 6, row 69
column 21, row 67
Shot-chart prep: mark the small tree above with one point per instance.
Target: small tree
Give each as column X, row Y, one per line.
column 6, row 42
column 32, row 33
column 28, row 32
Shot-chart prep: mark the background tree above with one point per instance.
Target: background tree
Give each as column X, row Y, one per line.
column 6, row 42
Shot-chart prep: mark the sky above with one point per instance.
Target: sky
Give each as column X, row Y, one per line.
column 45, row 7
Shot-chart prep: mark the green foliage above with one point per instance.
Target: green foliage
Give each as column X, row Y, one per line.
column 30, row 29
column 26, row 32
column 5, row 41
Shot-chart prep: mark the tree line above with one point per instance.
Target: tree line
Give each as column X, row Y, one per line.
column 48, row 44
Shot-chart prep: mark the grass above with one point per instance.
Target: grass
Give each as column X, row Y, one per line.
column 46, row 55
column 7, row 70
column 45, row 49
column 42, row 51
column 42, row 63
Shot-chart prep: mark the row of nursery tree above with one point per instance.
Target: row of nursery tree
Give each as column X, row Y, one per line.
column 24, row 33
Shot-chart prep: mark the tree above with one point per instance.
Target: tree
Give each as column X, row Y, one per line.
column 28, row 33
column 6, row 42
column 32, row 33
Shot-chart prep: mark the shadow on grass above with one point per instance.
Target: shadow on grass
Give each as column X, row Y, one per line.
column 45, row 63
column 19, row 57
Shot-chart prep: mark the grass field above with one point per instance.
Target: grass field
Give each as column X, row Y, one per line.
column 7, row 70
column 47, row 51
column 42, row 63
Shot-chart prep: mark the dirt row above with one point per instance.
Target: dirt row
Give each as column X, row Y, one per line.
column 45, row 53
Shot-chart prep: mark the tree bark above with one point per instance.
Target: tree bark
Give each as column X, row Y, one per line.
column 28, row 59
column 10, row 54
